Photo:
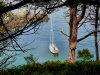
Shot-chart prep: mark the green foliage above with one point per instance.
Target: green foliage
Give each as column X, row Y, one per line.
column 85, row 54
column 55, row 68
column 7, row 14
column 2, row 4
column 30, row 59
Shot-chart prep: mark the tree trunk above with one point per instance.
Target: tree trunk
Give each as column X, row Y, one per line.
column 72, row 44
column 73, row 24
column 96, row 34
column 73, row 34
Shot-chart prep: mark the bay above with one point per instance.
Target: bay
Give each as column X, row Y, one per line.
column 40, row 41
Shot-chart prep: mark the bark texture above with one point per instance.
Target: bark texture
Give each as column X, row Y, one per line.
column 73, row 24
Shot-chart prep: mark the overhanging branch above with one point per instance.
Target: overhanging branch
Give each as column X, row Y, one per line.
column 84, row 37
column 9, row 8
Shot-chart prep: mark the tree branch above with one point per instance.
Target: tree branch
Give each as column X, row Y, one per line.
column 66, row 20
column 65, row 35
column 84, row 21
column 82, row 14
column 84, row 37
column 9, row 8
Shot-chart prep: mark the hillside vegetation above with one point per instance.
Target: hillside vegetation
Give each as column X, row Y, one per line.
column 55, row 68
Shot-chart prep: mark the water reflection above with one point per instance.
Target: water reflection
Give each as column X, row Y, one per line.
column 55, row 55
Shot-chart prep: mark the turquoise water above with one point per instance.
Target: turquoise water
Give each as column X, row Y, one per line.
column 40, row 41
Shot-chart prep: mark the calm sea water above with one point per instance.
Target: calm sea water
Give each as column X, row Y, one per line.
column 39, row 43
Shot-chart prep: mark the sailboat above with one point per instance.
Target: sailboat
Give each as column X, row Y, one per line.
column 52, row 46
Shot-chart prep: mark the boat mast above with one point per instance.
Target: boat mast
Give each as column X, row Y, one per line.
column 51, row 33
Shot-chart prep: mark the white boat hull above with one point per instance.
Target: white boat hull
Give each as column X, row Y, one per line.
column 53, row 48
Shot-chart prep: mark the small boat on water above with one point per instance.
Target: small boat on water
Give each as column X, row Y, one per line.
column 52, row 46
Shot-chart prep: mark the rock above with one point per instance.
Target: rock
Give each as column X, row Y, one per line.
column 20, row 12
column 8, row 17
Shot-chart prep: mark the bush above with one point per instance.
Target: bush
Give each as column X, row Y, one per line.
column 85, row 54
column 55, row 68
column 30, row 59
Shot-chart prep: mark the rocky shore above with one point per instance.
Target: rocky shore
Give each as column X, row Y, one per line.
column 19, row 18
